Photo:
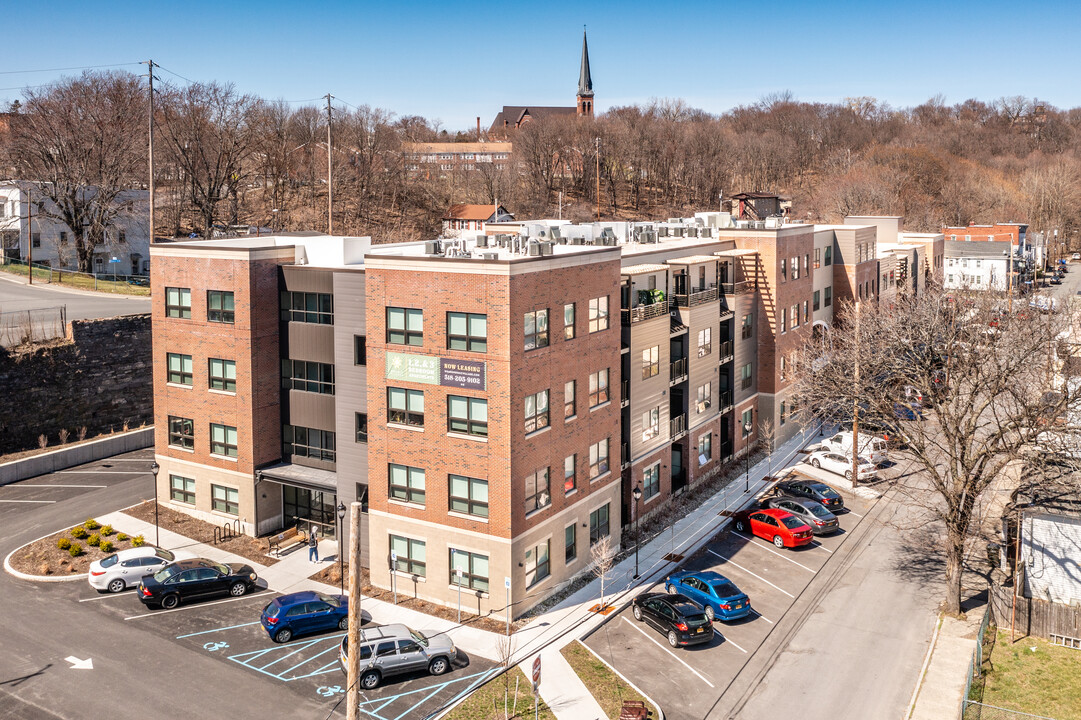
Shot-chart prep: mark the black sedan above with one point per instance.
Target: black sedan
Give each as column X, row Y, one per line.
column 811, row 512
column 814, row 490
column 195, row 579
column 677, row 616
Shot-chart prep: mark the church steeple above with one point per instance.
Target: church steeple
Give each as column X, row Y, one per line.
column 585, row 83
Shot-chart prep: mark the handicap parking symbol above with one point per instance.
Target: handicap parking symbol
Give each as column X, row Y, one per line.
column 330, row 690
column 214, row 646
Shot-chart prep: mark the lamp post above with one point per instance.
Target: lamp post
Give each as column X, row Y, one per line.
column 637, row 495
column 341, row 562
column 154, row 469
column 747, row 459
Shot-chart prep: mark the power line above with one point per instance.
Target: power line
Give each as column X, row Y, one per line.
column 84, row 67
column 188, row 80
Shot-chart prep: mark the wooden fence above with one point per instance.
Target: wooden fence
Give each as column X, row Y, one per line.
column 1034, row 617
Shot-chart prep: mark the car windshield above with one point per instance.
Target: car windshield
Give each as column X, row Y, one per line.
column 819, row 511
column 419, row 637
column 791, row 523
column 332, row 601
column 109, row 561
column 725, row 589
column 166, row 572
column 164, row 554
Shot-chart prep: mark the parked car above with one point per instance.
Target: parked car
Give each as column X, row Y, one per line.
column 780, row 527
column 124, row 569
column 871, row 447
column 677, row 617
column 717, row 594
column 813, row 513
column 388, row 650
column 814, row 490
column 304, row 612
column 842, row 464
column 194, row 579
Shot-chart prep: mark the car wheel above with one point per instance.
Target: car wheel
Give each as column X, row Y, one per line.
column 741, row 525
column 848, row 475
column 438, row 666
column 778, row 541
column 671, row 589
column 238, row 589
column 170, row 601
column 673, row 639
column 814, row 462
column 637, row 612
column 710, row 614
column 370, row 680
column 343, row 624
column 117, row 585
column 283, row 636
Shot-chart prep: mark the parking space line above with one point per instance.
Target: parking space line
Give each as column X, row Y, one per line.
column 662, row 647
column 820, row 545
column 761, row 616
column 733, row 562
column 752, row 542
column 204, row 632
column 188, row 607
column 853, row 513
column 332, row 648
column 731, row 642
column 28, row 501
column 59, row 486
column 110, row 596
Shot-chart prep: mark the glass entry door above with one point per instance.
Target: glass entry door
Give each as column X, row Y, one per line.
column 308, row 508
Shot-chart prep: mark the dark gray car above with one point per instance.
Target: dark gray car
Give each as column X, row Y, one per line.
column 388, row 650
column 821, row 520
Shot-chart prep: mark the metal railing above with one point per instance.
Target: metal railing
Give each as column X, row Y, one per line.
column 725, row 403
column 639, row 313
column 26, row 326
column 625, row 455
column 678, row 369
column 727, row 313
column 100, row 282
column 738, row 288
column 726, row 348
column 677, row 426
column 697, row 297
column 625, row 393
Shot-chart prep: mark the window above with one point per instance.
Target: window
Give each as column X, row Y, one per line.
column 795, row 268
column 537, row 495
column 829, row 296
column 306, row 307
column 180, row 368
column 570, row 473
column 409, row 554
column 536, row 411
column 705, row 449
column 784, row 366
column 474, row 569
column 784, row 320
column 536, row 329
column 817, row 299
column 182, row 489
column 225, row 499
column 219, row 306
column 182, row 432
column 818, row 258
column 405, row 326
column 804, row 312
column 598, row 314
column 806, row 263
column 705, row 337
column 795, row 316
column 828, row 256
column 36, row 241
column 651, row 361
column 598, row 388
column 178, row 303
column 784, row 270
column 746, row 425
column 570, row 543
column 598, row 459
column 222, row 375
column 362, row 427
column 747, row 329
column 469, row 495
column 536, row 563
column 568, row 322
column 223, row 440
column 360, row 350
column 598, row 524
column 570, row 404
column 651, row 423
column 63, row 237
column 467, row 415
column 406, row 483
column 783, row 418
column 308, row 442
column 308, row 376
column 405, row 407
column 705, row 398
column 467, row 331
column 651, row 481
column 745, row 376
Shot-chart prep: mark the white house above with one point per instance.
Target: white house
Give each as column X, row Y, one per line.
column 50, row 241
column 977, row 266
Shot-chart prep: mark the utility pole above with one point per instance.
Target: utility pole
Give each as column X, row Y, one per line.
column 30, row 235
column 352, row 694
column 150, row 74
column 598, row 179
column 330, row 174
column 856, row 409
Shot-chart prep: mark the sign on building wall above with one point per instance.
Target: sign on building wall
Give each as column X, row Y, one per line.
column 428, row 370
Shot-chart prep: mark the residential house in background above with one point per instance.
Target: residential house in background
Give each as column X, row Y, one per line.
column 461, row 218
column 441, row 158
column 1011, row 232
column 758, row 205
column 984, row 266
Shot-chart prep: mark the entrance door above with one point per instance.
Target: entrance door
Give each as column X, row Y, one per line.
column 679, row 478
column 317, row 507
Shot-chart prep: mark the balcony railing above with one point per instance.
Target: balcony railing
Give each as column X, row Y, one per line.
column 643, row 312
column 727, row 313
column 726, row 349
column 678, row 370
column 677, row 427
column 737, row 288
column 697, row 297
column 726, row 451
column 625, row 455
column 725, row 401
column 625, row 393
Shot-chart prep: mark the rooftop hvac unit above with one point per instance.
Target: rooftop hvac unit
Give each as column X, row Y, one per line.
column 662, row 231
column 534, row 249
column 482, row 241
column 547, row 248
column 555, row 234
column 678, row 231
column 489, row 256
column 577, row 241
column 692, row 232
column 648, row 236
column 431, row 247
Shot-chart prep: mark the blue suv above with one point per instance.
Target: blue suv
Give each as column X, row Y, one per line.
column 717, row 594
column 304, row 612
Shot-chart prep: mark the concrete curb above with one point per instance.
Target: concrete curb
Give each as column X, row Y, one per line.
column 660, row 712
column 64, row 458
column 38, row 578
column 923, row 669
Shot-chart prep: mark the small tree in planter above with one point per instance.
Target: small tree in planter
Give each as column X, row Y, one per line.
column 603, row 557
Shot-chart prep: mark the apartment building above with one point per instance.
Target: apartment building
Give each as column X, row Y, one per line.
column 1009, row 232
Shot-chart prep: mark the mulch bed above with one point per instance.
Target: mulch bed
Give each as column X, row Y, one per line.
column 201, row 531
column 43, row 557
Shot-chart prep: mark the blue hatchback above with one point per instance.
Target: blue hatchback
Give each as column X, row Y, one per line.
column 718, row 595
column 304, row 612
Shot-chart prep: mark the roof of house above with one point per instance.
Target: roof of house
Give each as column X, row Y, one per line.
column 513, row 114
column 475, row 212
column 961, row 248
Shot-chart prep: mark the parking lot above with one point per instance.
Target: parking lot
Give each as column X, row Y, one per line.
column 687, row 682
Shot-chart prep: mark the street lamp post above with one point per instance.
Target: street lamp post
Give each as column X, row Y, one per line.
column 747, row 460
column 154, row 469
column 637, row 495
column 341, row 560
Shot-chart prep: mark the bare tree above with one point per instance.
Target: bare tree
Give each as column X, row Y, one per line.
column 603, row 556
column 767, row 437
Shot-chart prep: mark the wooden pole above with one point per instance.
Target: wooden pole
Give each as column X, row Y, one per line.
column 330, row 175
column 856, row 409
column 150, row 63
column 356, row 617
column 30, row 234
column 598, row 179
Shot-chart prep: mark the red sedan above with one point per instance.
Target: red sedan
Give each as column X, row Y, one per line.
column 781, row 528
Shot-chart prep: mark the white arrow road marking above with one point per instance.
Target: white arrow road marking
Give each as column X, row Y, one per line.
column 77, row 664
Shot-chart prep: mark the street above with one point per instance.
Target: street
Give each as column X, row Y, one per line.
column 17, row 295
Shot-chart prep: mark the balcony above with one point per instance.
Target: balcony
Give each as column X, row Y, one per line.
column 678, row 371
column 625, row 455
column 738, row 288
column 726, row 451
column 726, row 352
column 727, row 313
column 677, row 427
column 625, row 393
column 725, row 404
column 697, row 297
column 629, row 316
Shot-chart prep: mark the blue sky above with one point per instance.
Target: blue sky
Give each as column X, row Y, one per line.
column 455, row 61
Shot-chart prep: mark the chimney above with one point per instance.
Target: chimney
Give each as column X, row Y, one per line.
column 478, row 128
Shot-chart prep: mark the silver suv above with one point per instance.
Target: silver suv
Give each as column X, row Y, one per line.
column 387, row 650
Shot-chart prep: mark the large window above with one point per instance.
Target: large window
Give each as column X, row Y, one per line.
column 474, row 570
column 178, row 302
column 222, row 375
column 598, row 388
column 598, row 459
column 219, row 306
column 182, row 432
column 818, row 258
column 598, row 524
column 362, row 427
column 570, row 404
column 570, row 543
column 467, row 415
column 651, row 481
column 828, row 256
column 406, row 483
column 409, row 554
column 307, row 307
column 568, row 321
column 570, row 473
column 182, row 489
column 828, row 296
column 705, row 448
column 795, row 316
column 651, row 361
column 795, row 268
column 180, row 368
column 817, row 299
column 705, row 398
column 747, row 329
column 536, row 411
column 405, row 326
column 467, row 331
column 223, row 440
column 308, row 376
column 405, row 407
column 469, row 495
column 537, row 493
column 308, row 442
column 745, row 376
column 536, row 329
column 598, row 314
column 225, row 499
column 651, row 423
column 784, row 320
column 537, row 563
column 360, row 350
column 705, row 341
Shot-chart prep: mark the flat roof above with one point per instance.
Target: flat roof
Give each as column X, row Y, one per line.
column 692, row 260
column 736, row 252
column 643, row 269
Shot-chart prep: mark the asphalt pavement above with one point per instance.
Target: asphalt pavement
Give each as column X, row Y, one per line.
column 16, row 295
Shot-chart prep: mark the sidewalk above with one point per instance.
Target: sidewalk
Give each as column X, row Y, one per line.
column 941, row 689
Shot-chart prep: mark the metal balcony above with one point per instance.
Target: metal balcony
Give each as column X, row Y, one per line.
column 738, row 288
column 677, row 427
column 625, row 393
column 678, row 371
column 625, row 455
column 725, row 404
column 697, row 297
column 726, row 351
column 629, row 316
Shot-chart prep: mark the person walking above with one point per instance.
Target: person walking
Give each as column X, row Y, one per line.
column 313, row 546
